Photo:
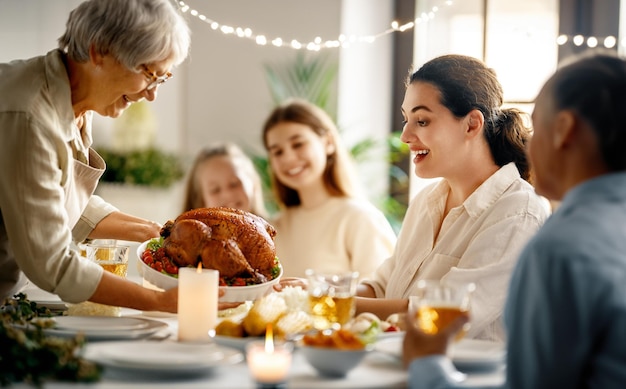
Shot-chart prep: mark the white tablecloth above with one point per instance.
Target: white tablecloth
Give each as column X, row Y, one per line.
column 377, row 370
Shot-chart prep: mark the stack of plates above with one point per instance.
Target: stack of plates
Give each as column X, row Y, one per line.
column 104, row 327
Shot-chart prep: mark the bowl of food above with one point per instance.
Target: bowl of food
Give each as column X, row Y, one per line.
column 331, row 362
column 238, row 244
column 285, row 311
column 160, row 272
column 333, row 354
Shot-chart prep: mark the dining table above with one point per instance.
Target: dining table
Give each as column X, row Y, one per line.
column 378, row 369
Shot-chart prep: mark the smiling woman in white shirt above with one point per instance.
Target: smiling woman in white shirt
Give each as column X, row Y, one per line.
column 471, row 225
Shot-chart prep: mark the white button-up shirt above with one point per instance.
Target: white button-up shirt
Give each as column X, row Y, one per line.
column 478, row 242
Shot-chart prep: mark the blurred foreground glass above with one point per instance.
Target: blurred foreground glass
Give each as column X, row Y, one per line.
column 435, row 305
column 331, row 298
column 114, row 259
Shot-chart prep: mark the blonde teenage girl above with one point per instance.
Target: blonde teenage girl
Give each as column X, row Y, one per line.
column 322, row 224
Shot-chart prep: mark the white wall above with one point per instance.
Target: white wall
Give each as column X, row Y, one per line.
column 364, row 88
column 227, row 96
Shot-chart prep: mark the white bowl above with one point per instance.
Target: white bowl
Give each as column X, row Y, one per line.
column 232, row 294
column 332, row 362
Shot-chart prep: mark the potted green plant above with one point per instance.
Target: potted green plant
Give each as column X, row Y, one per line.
column 132, row 158
column 149, row 167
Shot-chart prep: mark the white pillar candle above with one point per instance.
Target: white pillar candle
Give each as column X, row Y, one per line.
column 197, row 303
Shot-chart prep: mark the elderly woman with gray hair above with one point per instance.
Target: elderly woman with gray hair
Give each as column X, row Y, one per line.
column 112, row 54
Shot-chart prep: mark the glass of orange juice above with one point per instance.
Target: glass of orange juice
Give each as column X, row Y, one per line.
column 436, row 304
column 331, row 298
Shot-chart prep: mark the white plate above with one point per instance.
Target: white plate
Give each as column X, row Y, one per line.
column 240, row 343
column 104, row 327
column 389, row 335
column 474, row 354
column 235, row 342
column 467, row 354
column 161, row 357
column 88, row 323
column 44, row 299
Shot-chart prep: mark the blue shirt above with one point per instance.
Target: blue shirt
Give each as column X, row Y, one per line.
column 566, row 310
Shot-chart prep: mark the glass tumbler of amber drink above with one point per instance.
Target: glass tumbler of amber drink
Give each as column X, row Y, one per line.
column 331, row 298
column 111, row 256
column 114, row 259
column 435, row 305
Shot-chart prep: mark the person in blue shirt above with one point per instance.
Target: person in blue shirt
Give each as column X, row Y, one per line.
column 566, row 308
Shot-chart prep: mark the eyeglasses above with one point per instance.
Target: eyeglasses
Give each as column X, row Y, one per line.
column 154, row 79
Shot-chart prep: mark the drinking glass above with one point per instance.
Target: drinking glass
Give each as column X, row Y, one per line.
column 435, row 305
column 114, row 259
column 111, row 256
column 331, row 298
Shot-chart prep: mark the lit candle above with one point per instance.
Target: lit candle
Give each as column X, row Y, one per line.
column 269, row 363
column 197, row 303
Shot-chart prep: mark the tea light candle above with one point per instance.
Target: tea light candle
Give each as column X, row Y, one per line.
column 197, row 303
column 269, row 363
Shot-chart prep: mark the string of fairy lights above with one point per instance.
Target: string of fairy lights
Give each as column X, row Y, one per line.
column 344, row 41
column 590, row 41
column 318, row 43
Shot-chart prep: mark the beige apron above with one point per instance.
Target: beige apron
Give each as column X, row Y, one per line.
column 81, row 188
column 77, row 193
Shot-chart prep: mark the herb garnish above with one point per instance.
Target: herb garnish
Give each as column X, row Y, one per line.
column 28, row 355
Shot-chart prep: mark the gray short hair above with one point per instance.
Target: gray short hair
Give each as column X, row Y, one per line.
column 135, row 32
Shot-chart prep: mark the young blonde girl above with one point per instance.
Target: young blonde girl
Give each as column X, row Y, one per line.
column 222, row 175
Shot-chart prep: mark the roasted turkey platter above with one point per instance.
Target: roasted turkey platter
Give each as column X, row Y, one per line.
column 239, row 244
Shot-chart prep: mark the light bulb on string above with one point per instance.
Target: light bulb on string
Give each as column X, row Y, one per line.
column 578, row 40
column 561, row 40
column 609, row 42
column 592, row 41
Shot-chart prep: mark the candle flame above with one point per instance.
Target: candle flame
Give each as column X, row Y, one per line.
column 199, row 270
column 269, row 339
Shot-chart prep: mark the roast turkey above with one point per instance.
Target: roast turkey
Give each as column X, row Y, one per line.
column 235, row 242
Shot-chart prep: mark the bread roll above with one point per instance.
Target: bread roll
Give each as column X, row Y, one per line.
column 293, row 322
column 229, row 328
column 264, row 311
